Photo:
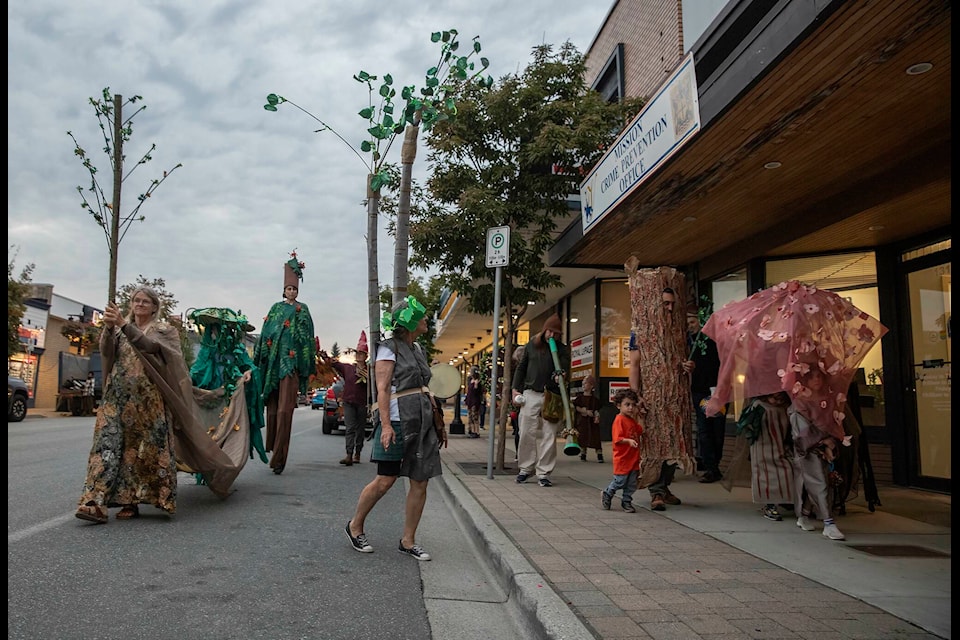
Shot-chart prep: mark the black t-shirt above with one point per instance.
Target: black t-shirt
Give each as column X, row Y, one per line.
column 707, row 366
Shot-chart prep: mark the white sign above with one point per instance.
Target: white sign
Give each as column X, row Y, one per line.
column 498, row 246
column 581, row 351
column 664, row 125
column 616, row 386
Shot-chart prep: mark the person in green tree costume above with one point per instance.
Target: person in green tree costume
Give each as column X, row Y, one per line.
column 285, row 353
column 223, row 362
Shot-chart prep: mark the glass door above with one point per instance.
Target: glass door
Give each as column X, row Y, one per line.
column 929, row 291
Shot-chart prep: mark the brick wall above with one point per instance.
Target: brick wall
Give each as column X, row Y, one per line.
column 49, row 370
column 651, row 35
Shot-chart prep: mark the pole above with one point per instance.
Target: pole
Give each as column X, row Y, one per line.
column 493, row 378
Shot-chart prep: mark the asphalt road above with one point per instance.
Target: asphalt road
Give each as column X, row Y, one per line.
column 271, row 561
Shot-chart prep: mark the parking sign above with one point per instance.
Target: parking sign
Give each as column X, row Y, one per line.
column 498, row 246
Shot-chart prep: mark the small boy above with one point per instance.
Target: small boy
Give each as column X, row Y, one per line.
column 626, row 451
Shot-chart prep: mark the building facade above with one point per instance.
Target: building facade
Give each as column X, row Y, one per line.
column 820, row 152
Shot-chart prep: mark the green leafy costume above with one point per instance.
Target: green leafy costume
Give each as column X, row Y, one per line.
column 286, row 345
column 223, row 359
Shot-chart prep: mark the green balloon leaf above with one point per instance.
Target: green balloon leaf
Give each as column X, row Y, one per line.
column 484, row 62
column 269, row 107
column 388, row 79
column 273, row 98
column 435, row 36
column 363, row 76
column 406, row 93
column 366, row 146
column 476, row 46
column 432, row 71
column 366, row 113
column 446, row 36
column 385, row 90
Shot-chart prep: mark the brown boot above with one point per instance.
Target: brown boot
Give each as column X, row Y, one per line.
column 348, row 461
column 356, row 458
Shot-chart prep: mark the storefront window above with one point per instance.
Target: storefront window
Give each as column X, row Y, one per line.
column 613, row 355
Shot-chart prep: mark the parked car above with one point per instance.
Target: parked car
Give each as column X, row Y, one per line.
column 333, row 415
column 317, row 398
column 17, row 395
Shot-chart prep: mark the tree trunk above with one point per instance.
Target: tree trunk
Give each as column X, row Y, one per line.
column 401, row 252
column 373, row 284
column 661, row 348
column 117, row 183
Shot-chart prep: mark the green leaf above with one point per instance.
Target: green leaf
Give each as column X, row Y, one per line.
column 388, row 120
column 454, row 31
column 376, row 182
column 461, row 63
column 366, row 146
column 435, row 36
column 406, row 92
column 366, row 113
column 398, row 128
column 432, row 71
column 385, row 90
column 273, row 98
column 269, row 107
column 427, row 91
column 476, row 46
column 450, row 105
column 364, row 76
column 388, row 108
column 454, row 45
column 461, row 73
column 446, row 36
column 387, row 78
column 485, row 62
column 432, row 82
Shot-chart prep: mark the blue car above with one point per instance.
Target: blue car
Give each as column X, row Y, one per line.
column 316, row 400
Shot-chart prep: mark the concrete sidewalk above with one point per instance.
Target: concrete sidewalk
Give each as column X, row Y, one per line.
column 711, row 568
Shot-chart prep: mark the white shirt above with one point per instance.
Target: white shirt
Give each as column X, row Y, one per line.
column 386, row 353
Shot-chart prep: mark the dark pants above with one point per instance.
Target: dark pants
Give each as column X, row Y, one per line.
column 660, row 486
column 710, row 435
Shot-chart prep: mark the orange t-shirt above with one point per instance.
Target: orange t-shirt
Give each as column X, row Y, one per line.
column 625, row 457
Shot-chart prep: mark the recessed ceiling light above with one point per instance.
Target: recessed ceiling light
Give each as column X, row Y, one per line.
column 773, row 165
column 917, row 69
column 690, row 219
column 875, row 227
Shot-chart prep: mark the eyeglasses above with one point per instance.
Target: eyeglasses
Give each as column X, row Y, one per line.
column 142, row 302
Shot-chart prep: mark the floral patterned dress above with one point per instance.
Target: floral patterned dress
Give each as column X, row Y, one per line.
column 132, row 459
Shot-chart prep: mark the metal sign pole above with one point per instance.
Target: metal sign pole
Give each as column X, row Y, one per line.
column 493, row 379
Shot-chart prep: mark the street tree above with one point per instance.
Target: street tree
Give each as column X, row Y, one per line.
column 434, row 102
column 511, row 158
column 116, row 131
column 18, row 289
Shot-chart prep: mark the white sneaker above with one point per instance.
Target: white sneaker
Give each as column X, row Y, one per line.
column 804, row 523
column 831, row 531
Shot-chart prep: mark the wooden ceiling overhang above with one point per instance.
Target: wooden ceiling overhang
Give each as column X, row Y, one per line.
column 823, row 89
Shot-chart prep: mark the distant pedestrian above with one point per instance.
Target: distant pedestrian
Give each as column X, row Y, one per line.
column 587, row 419
column 474, row 403
column 354, row 396
column 626, row 452
column 89, row 391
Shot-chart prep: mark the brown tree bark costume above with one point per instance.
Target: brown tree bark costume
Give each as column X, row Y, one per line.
column 661, row 348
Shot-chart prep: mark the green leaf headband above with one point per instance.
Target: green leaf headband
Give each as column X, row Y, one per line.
column 408, row 317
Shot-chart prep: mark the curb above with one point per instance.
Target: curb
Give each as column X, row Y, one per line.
column 545, row 613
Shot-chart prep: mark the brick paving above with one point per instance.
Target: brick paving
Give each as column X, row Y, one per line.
column 641, row 575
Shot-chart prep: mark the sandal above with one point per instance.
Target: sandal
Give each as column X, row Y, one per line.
column 128, row 512
column 92, row 513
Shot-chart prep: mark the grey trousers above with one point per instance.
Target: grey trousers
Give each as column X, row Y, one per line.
column 354, row 416
column 659, row 487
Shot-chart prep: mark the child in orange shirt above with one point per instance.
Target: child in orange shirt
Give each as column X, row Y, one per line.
column 626, row 451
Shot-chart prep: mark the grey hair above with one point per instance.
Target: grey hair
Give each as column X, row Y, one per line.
column 150, row 293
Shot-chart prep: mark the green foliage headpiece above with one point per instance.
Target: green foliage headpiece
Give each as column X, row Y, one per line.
column 408, row 316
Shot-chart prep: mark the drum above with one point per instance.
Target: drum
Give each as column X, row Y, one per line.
column 445, row 381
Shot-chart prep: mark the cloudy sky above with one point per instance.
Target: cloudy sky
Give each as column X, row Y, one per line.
column 254, row 185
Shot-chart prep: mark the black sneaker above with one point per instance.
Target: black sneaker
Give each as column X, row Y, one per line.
column 605, row 500
column 416, row 551
column 628, row 507
column 522, row 477
column 359, row 542
column 545, row 482
column 770, row 513
column 599, row 457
